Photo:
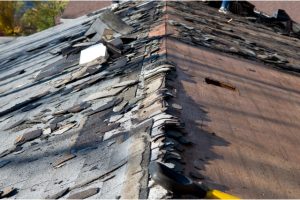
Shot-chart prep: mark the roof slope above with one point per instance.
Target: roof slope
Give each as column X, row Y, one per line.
column 182, row 85
column 270, row 7
column 237, row 85
column 77, row 130
column 202, row 26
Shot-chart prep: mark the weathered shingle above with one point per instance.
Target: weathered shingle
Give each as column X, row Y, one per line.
column 77, row 131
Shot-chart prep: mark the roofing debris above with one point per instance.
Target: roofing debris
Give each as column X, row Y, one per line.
column 70, row 100
column 223, row 122
column 201, row 26
column 85, row 106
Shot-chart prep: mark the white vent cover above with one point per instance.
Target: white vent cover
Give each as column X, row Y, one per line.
column 97, row 52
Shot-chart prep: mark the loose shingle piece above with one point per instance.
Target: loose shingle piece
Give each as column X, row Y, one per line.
column 28, row 136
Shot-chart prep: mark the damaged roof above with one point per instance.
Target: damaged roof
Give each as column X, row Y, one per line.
column 86, row 105
column 237, row 79
column 72, row 123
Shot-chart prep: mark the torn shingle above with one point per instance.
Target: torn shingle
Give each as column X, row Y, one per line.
column 8, row 192
column 84, row 194
column 28, row 136
column 114, row 22
column 61, row 161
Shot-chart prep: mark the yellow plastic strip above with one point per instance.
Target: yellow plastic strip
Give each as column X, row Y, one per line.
column 216, row 194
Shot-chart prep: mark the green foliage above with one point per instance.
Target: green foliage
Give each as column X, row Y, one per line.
column 42, row 16
column 7, row 10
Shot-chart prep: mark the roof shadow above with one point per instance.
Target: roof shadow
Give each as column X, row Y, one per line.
column 199, row 155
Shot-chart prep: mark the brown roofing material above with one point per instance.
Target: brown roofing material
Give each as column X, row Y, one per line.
column 245, row 140
column 78, row 8
column 269, row 7
column 242, row 117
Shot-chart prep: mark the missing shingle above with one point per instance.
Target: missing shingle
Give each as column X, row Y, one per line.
column 220, row 84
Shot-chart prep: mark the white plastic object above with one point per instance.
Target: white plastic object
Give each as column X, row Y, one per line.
column 96, row 52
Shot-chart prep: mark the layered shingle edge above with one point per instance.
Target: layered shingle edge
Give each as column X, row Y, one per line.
column 92, row 139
